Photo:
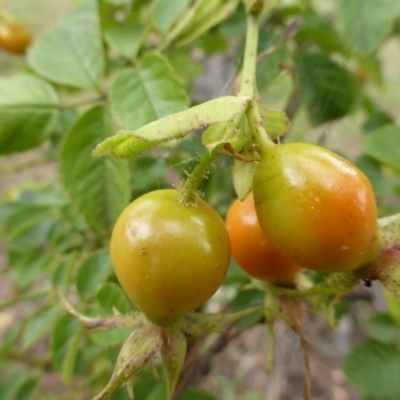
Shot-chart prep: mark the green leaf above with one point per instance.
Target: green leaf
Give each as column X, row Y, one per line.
column 11, row 383
column 373, row 368
column 146, row 93
column 164, row 13
column 98, row 187
column 131, row 143
column 112, row 296
column 72, row 53
column 118, row 2
column 126, row 37
column 329, row 89
column 65, row 345
column 382, row 327
column 62, row 272
column 269, row 68
column 41, row 323
column 93, row 272
column 383, row 145
column 27, row 389
column 23, row 226
column 364, row 25
column 28, row 112
column 113, row 337
column 317, row 30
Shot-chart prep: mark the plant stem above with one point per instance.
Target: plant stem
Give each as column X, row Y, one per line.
column 187, row 191
column 248, row 81
column 248, row 85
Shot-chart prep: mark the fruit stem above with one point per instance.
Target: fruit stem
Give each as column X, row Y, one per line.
column 248, row 84
column 248, row 81
column 188, row 190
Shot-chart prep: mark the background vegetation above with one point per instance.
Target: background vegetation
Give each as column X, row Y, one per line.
column 96, row 66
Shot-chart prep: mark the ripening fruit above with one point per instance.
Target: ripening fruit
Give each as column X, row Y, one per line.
column 169, row 258
column 316, row 208
column 250, row 248
column 15, row 38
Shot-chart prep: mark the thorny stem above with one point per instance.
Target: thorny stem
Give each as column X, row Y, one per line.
column 188, row 190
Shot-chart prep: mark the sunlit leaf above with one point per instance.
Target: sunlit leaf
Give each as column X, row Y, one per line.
column 72, row 53
column 146, row 93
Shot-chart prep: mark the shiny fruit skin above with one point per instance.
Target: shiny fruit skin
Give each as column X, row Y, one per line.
column 251, row 249
column 169, row 258
column 316, row 208
column 15, row 38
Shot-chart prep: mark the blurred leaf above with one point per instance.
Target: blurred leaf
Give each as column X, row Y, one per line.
column 118, row 2
column 365, row 24
column 72, row 53
column 393, row 304
column 146, row 381
column 185, row 67
column 11, row 383
column 382, row 327
column 383, row 145
column 146, row 93
column 65, row 345
column 269, row 68
column 373, row 368
column 200, row 18
column 197, row 394
column 112, row 296
column 164, row 13
column 25, row 219
column 148, row 172
column 98, row 187
column 377, row 120
column 113, row 337
column 27, row 389
column 39, row 324
column 93, row 272
column 28, row 264
column 125, row 37
column 28, row 112
column 213, row 42
column 62, row 272
column 317, row 30
column 329, row 89
column 131, row 143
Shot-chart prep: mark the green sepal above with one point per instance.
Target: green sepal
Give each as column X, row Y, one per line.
column 141, row 346
column 173, row 353
column 276, row 123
